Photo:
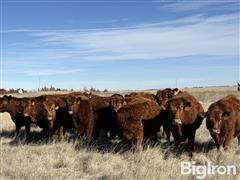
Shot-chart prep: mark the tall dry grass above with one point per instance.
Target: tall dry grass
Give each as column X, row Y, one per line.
column 74, row 160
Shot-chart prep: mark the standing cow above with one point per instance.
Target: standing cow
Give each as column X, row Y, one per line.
column 223, row 121
column 185, row 115
column 133, row 118
column 15, row 107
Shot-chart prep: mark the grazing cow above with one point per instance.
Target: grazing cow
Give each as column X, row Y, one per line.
column 185, row 115
column 131, row 117
column 223, row 121
column 83, row 116
column 15, row 107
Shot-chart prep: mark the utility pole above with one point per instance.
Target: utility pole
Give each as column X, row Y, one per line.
column 176, row 83
column 39, row 85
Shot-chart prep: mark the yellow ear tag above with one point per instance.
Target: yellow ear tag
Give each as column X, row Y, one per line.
column 187, row 108
column 226, row 117
column 175, row 93
column 79, row 102
column 33, row 103
column 56, row 108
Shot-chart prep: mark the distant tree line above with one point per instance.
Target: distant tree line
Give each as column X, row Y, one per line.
column 51, row 88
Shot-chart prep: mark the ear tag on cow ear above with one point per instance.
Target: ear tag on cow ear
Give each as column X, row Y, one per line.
column 175, row 93
column 225, row 117
column 33, row 103
column 57, row 107
column 187, row 108
column 78, row 101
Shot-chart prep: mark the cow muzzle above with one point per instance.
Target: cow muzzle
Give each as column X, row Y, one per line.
column 25, row 114
column 177, row 122
column 215, row 131
column 50, row 118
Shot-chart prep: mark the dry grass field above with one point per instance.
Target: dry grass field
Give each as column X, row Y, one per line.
column 74, row 160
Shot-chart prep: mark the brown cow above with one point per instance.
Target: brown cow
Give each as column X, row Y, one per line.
column 15, row 107
column 133, row 95
column 162, row 96
column 58, row 114
column 50, row 112
column 104, row 107
column 185, row 115
column 83, row 116
column 223, row 121
column 131, row 117
column 38, row 114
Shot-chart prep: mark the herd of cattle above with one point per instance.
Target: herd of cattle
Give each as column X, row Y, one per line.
column 132, row 117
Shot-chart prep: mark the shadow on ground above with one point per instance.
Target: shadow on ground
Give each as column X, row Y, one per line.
column 104, row 145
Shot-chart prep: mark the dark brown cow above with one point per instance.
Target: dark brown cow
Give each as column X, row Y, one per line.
column 83, row 116
column 50, row 112
column 162, row 96
column 58, row 114
column 131, row 117
column 15, row 107
column 185, row 115
column 104, row 107
column 223, row 121
column 38, row 114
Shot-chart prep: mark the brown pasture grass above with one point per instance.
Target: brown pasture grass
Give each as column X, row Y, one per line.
column 74, row 160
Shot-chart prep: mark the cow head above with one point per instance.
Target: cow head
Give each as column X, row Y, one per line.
column 178, row 110
column 116, row 102
column 12, row 105
column 35, row 110
column 51, row 108
column 4, row 103
column 215, row 120
column 164, row 95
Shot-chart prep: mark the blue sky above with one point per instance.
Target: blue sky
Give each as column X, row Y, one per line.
column 119, row 44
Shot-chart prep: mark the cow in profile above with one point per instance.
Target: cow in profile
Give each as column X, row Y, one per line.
column 223, row 121
column 185, row 115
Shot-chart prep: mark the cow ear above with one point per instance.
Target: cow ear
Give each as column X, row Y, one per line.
column 78, row 100
column 175, row 91
column 33, row 102
column 56, row 107
column 226, row 115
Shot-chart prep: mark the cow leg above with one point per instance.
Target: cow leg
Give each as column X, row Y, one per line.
column 238, row 139
column 191, row 141
column 167, row 131
column 139, row 140
column 89, row 131
column 227, row 141
column 27, row 129
column 18, row 127
column 61, row 133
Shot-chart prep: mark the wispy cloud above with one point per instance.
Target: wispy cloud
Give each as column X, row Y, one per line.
column 198, row 5
column 195, row 35
column 109, row 21
column 46, row 72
